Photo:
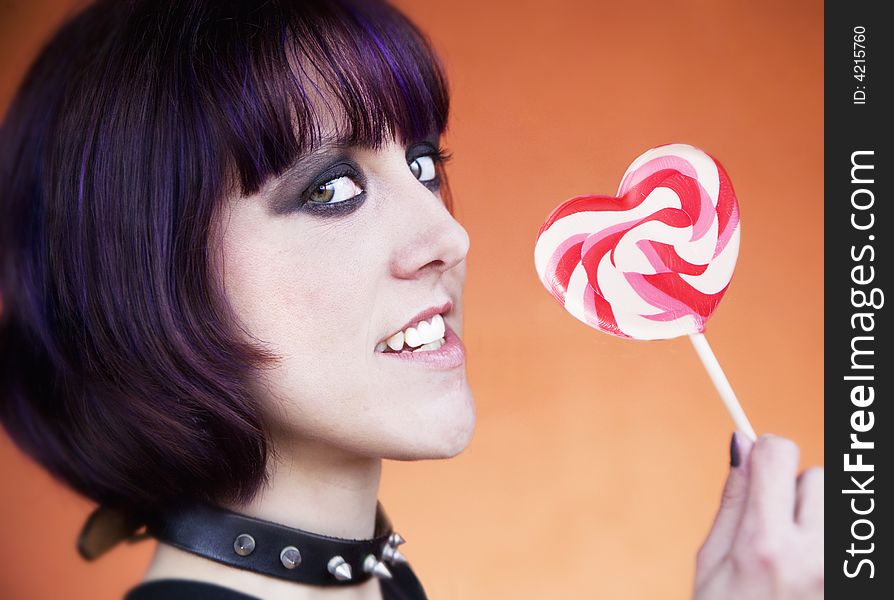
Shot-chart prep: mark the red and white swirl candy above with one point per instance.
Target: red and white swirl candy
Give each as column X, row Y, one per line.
column 652, row 262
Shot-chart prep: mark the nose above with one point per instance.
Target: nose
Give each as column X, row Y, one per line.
column 432, row 240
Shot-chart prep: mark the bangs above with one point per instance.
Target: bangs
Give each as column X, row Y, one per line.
column 293, row 67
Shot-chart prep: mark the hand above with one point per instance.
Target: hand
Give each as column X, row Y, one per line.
column 767, row 539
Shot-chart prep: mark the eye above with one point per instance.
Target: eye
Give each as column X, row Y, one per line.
column 334, row 191
column 423, row 168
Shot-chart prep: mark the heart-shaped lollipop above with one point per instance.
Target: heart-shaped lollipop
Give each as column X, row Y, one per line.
column 653, row 261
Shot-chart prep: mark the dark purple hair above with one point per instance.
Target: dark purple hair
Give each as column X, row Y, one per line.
column 122, row 369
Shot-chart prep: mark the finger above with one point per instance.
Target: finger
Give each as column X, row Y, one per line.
column 732, row 504
column 771, row 490
column 810, row 503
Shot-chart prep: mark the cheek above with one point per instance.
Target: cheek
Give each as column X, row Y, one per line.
column 308, row 299
column 296, row 302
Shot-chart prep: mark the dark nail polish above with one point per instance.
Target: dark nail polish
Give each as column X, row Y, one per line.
column 735, row 458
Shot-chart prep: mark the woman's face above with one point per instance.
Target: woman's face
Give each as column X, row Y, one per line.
column 324, row 266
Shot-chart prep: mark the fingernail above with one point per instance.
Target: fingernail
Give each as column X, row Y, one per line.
column 735, row 458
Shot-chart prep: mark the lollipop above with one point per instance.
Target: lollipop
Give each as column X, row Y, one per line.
column 653, row 262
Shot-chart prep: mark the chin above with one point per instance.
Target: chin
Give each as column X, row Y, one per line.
column 440, row 436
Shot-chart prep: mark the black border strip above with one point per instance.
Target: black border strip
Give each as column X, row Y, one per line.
column 859, row 112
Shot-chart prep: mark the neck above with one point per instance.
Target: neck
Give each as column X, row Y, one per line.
column 313, row 487
column 319, row 488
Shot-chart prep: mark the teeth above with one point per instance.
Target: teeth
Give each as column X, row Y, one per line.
column 430, row 346
column 425, row 332
column 437, row 324
column 412, row 337
column 396, row 341
column 423, row 336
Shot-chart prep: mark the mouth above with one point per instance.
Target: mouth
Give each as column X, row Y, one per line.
column 427, row 338
column 423, row 333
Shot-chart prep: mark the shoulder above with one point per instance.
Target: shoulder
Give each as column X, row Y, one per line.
column 183, row 589
column 403, row 585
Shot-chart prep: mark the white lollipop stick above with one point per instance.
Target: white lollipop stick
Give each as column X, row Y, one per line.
column 722, row 384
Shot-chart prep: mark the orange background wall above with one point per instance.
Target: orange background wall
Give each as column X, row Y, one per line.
column 597, row 462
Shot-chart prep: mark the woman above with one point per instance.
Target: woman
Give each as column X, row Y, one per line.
column 232, row 286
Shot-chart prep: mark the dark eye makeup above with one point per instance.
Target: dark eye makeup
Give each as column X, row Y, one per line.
column 347, row 168
column 439, row 154
column 343, row 207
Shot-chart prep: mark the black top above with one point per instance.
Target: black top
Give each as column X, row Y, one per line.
column 403, row 586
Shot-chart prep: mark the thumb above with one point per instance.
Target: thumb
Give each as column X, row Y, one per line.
column 732, row 504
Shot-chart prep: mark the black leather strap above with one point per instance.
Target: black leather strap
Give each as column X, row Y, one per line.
column 212, row 531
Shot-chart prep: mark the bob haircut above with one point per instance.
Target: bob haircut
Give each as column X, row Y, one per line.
column 122, row 368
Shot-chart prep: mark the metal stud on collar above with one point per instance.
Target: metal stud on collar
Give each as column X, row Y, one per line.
column 373, row 565
column 338, row 567
column 393, row 555
column 290, row 557
column 244, row 544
